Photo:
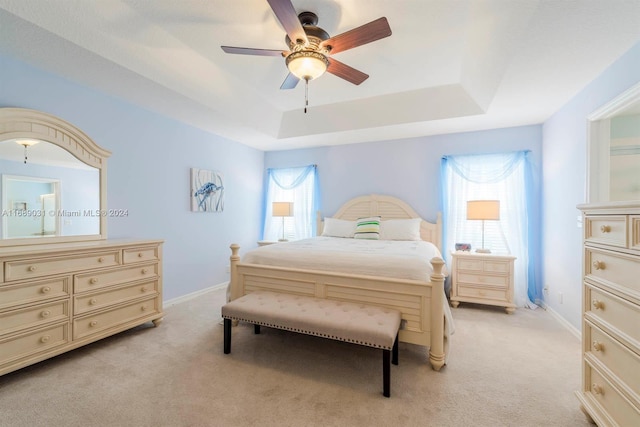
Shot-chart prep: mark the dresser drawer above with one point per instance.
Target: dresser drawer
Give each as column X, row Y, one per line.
column 493, row 280
column 117, row 317
column 141, row 254
column 607, row 229
column 37, row 267
column 614, row 403
column 634, row 232
column 485, row 293
column 97, row 300
column 31, row 317
column 618, row 358
column 20, row 346
column 612, row 268
column 615, row 315
column 31, row 292
column 103, row 278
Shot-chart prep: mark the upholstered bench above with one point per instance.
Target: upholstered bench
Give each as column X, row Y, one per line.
column 355, row 323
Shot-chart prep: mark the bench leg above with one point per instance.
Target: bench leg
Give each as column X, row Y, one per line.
column 256, row 329
column 227, row 336
column 394, row 360
column 386, row 373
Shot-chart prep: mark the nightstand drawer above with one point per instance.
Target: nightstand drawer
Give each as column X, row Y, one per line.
column 469, row 264
column 500, row 281
column 470, row 291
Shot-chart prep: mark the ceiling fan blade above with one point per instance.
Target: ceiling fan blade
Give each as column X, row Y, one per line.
column 367, row 33
column 288, row 17
column 251, row 51
column 290, row 82
column 346, row 72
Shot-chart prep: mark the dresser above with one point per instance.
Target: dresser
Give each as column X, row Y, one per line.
column 483, row 279
column 60, row 296
column 610, row 392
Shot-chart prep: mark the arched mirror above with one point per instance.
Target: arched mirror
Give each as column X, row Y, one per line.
column 614, row 150
column 53, row 180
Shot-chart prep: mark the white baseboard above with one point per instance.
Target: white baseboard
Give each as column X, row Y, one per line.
column 187, row 297
column 574, row 331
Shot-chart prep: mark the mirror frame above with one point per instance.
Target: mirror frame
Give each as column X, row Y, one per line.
column 598, row 143
column 33, row 124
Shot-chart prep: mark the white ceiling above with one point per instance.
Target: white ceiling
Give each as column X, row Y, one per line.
column 449, row 66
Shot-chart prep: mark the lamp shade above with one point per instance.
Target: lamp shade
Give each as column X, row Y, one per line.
column 282, row 209
column 483, row 209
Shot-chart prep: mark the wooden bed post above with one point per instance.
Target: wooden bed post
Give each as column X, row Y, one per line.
column 234, row 286
column 436, row 349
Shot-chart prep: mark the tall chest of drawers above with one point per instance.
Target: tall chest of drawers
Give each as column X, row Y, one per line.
column 610, row 392
column 57, row 297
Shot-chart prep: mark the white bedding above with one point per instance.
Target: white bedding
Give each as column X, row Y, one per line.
column 386, row 258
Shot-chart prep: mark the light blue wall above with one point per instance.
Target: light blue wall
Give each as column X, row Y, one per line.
column 564, row 183
column 149, row 174
column 408, row 168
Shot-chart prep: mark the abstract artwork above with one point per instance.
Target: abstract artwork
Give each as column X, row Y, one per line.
column 207, row 191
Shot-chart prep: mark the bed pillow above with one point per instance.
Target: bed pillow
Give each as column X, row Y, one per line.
column 334, row 227
column 368, row 228
column 400, row 229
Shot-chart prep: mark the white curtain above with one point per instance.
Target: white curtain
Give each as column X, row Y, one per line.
column 297, row 185
column 490, row 177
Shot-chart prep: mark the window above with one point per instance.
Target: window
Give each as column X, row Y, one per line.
column 296, row 185
column 503, row 177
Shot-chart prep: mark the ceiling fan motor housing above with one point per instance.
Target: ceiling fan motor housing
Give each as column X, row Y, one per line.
column 315, row 34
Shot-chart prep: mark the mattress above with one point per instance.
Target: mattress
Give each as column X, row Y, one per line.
column 385, row 258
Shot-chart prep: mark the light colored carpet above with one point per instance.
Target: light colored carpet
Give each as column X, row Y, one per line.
column 518, row 370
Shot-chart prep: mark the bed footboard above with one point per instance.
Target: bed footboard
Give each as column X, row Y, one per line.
column 421, row 303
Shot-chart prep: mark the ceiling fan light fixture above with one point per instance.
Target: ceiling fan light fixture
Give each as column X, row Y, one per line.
column 307, row 64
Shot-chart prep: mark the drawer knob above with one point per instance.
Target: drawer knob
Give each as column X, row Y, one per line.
column 145, row 270
column 45, row 313
column 32, row 268
column 597, row 304
column 45, row 290
column 143, row 307
column 45, row 339
column 93, row 323
column 605, row 228
column 597, row 389
column 140, row 254
column 101, row 259
column 598, row 265
column 598, row 346
column 93, row 301
column 143, row 289
column 93, row 280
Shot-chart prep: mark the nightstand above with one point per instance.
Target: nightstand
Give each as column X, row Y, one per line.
column 266, row 242
column 483, row 279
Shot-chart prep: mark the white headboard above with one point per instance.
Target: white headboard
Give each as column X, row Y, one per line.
column 387, row 207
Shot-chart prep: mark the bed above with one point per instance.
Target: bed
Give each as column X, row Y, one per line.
column 419, row 296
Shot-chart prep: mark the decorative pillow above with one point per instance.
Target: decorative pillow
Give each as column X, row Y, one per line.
column 334, row 227
column 400, row 229
column 368, row 228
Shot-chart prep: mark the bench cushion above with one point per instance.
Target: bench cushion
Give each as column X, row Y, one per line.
column 356, row 323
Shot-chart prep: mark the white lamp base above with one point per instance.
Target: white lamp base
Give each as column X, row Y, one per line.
column 483, row 251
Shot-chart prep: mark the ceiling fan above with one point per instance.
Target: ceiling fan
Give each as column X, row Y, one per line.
column 310, row 46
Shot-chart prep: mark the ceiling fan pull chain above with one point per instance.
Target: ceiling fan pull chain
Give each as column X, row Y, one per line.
column 306, row 95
